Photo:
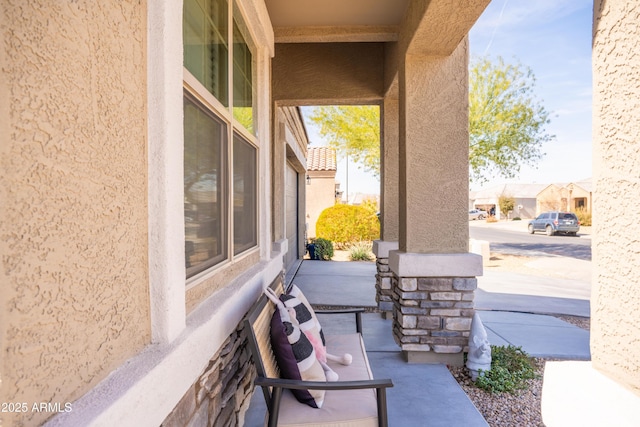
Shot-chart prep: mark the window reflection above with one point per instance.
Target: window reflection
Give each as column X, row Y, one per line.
column 243, row 110
column 205, row 139
column 244, row 195
column 206, row 45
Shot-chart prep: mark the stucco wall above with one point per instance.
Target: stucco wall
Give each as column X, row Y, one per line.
column 73, row 179
column 615, row 301
column 321, row 194
column 434, row 153
column 389, row 171
column 317, row 73
column 219, row 278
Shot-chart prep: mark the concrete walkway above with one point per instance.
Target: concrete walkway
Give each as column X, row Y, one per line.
column 428, row 394
column 512, row 318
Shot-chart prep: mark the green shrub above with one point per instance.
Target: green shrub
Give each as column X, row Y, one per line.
column 584, row 216
column 361, row 251
column 506, row 203
column 346, row 224
column 517, row 219
column 323, row 249
column 511, row 367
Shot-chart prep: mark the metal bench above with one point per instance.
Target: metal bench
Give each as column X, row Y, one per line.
column 357, row 398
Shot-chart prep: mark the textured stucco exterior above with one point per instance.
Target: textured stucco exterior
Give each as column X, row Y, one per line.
column 389, row 171
column 218, row 279
column 321, row 194
column 94, row 307
column 326, row 73
column 615, row 301
column 75, row 299
column 434, row 144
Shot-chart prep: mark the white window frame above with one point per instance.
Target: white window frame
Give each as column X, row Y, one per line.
column 165, row 85
column 225, row 114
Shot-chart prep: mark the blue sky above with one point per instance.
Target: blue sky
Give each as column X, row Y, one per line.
column 553, row 38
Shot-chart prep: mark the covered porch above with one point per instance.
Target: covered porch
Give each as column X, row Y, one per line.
column 411, row 59
column 422, row 393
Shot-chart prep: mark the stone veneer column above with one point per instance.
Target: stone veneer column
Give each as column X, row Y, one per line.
column 433, row 304
column 389, row 175
column 384, row 276
column 433, row 271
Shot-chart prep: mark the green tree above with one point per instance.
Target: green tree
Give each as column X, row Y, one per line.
column 352, row 131
column 507, row 124
column 506, row 121
column 506, row 203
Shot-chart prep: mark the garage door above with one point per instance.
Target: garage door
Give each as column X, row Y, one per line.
column 291, row 213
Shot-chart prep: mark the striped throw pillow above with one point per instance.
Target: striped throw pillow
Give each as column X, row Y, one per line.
column 307, row 320
column 296, row 357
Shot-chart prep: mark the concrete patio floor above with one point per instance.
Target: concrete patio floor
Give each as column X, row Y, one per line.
column 428, row 394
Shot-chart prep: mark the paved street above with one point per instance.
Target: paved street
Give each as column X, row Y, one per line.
column 554, row 278
column 512, row 237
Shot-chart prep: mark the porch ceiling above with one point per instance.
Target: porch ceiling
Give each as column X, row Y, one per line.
column 308, row 21
column 432, row 27
column 349, row 51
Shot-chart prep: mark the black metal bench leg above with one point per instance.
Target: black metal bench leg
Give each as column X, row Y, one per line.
column 382, row 407
column 274, row 406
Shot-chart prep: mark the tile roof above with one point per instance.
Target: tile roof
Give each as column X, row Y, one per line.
column 321, row 159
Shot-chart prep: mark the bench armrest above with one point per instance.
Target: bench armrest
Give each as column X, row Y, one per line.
column 323, row 385
column 356, row 310
column 279, row 384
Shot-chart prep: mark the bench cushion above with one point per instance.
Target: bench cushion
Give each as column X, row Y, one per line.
column 343, row 408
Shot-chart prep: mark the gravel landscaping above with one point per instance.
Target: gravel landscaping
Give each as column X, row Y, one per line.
column 522, row 408
column 505, row 409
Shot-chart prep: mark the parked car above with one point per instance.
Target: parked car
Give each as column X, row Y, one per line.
column 477, row 214
column 555, row 222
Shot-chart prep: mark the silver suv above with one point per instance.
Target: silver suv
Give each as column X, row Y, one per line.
column 555, row 222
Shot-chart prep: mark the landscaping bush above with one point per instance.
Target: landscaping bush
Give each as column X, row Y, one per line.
column 511, row 367
column 323, row 249
column 492, row 219
column 517, row 219
column 347, row 224
column 583, row 216
column 361, row 251
column 506, row 203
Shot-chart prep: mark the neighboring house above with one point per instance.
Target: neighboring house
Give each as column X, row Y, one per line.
column 581, row 195
column 523, row 194
column 533, row 199
column 551, row 198
column 322, row 189
column 150, row 161
column 565, row 197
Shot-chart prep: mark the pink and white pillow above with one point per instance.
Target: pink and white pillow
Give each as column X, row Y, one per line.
column 294, row 353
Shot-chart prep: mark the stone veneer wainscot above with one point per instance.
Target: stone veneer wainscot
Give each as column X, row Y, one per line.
column 433, row 304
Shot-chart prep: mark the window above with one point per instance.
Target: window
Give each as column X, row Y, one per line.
column 242, row 77
column 206, row 45
column 220, row 154
column 245, row 233
column 204, row 178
